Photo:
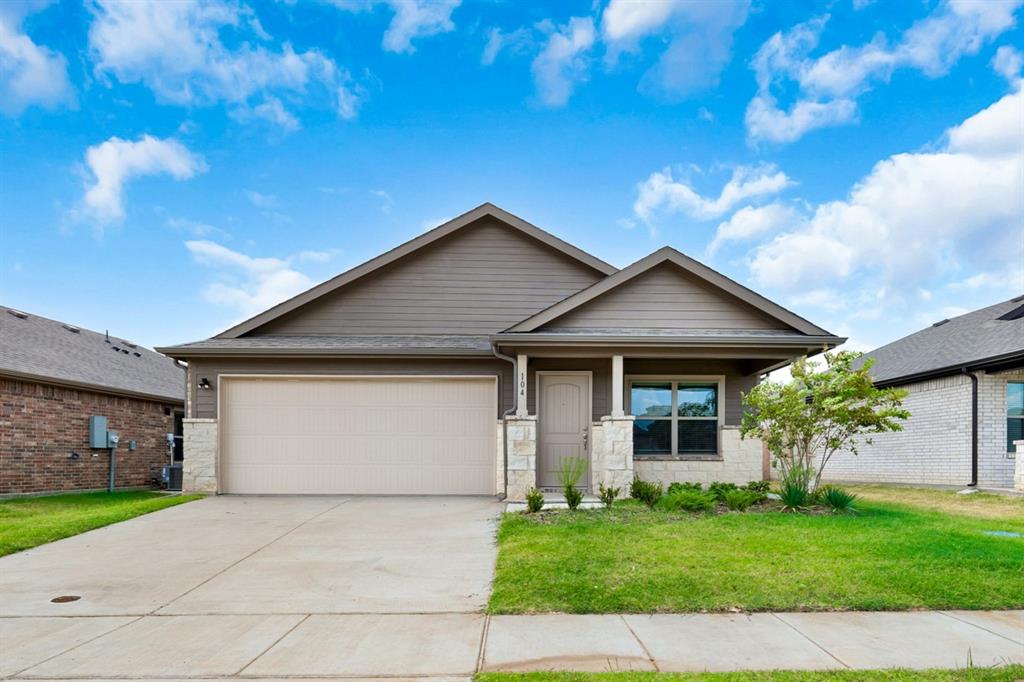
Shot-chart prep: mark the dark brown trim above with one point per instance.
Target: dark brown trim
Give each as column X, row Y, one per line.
column 322, row 353
column 94, row 388
column 388, row 257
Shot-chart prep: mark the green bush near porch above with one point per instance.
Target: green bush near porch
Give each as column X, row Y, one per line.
column 890, row 556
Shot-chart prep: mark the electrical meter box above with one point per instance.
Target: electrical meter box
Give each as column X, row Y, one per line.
column 98, row 432
column 113, row 439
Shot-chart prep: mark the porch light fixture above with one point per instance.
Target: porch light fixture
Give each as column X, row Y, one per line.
column 204, row 384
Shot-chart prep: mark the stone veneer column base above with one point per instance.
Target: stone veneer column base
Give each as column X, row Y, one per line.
column 199, row 469
column 521, row 468
column 611, row 454
column 1018, row 464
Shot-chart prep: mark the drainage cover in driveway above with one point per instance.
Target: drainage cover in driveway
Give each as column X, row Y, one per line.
column 65, row 598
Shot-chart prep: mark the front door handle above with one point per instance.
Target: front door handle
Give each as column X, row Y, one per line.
column 586, row 438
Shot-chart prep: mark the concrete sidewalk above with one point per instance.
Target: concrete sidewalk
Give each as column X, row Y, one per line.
column 455, row 645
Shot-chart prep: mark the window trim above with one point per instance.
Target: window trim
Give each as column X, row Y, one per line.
column 1011, row 416
column 674, row 418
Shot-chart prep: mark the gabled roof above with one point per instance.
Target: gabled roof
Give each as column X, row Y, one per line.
column 484, row 210
column 668, row 255
column 982, row 338
column 48, row 351
column 350, row 345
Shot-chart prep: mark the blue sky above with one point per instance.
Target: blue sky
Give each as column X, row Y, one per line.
column 169, row 169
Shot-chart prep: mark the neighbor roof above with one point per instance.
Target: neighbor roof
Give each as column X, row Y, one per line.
column 669, row 255
column 45, row 350
column 484, row 210
column 975, row 340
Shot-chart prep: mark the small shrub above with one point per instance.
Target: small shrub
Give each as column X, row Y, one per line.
column 688, row 500
column 739, row 500
column 839, row 500
column 719, row 489
column 570, row 471
column 608, row 494
column 679, row 486
column 647, row 492
column 759, row 486
column 573, row 497
column 534, row 501
column 794, row 496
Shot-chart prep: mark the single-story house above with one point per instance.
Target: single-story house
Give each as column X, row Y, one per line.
column 55, row 376
column 473, row 358
column 965, row 379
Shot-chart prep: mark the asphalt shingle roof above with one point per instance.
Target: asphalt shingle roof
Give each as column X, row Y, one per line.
column 47, row 349
column 970, row 339
column 372, row 343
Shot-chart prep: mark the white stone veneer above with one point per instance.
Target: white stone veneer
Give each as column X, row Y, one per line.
column 522, row 455
column 1018, row 472
column 611, row 454
column 740, row 462
column 199, row 468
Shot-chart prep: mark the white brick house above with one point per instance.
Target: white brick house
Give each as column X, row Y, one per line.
column 965, row 383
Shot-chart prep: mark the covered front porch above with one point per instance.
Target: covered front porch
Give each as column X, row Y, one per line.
column 662, row 413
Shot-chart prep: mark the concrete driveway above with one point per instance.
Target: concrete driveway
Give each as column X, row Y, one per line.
column 264, row 585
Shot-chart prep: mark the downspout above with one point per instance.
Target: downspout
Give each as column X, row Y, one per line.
column 504, row 420
column 974, row 428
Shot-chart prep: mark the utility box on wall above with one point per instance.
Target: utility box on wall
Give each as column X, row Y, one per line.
column 98, row 432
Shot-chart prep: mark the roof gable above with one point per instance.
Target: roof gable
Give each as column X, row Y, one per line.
column 582, row 270
column 667, row 289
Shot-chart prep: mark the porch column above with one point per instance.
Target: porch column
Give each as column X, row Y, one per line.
column 617, row 387
column 521, row 384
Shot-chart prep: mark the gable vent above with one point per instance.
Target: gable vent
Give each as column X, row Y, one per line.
column 1015, row 314
column 941, row 322
column 18, row 314
column 73, row 330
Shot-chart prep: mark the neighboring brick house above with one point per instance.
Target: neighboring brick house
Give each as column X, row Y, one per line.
column 53, row 377
column 965, row 383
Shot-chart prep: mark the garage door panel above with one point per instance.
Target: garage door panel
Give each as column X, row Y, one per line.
column 372, row 436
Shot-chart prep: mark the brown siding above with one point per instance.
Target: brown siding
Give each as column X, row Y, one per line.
column 41, row 425
column 205, row 401
column 480, row 280
column 665, row 298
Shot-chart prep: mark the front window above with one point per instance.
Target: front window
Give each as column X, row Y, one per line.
column 1014, row 413
column 674, row 417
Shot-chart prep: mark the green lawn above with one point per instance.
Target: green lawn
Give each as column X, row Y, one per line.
column 1012, row 672
column 904, row 550
column 30, row 521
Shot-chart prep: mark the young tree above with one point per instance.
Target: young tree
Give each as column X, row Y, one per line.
column 804, row 422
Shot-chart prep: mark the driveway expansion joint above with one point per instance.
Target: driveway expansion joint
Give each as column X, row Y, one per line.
column 810, row 639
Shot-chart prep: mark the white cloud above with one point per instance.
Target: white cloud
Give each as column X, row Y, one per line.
column 752, row 221
column 175, row 49
column 260, row 200
column 30, row 74
column 699, row 40
column 917, row 217
column 245, row 283
column 115, row 162
column 662, row 194
column 498, row 41
column 1008, row 62
column 827, row 86
column 196, row 228
column 412, row 19
column 563, row 61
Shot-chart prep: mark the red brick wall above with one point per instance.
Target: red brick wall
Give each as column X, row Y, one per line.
column 41, row 425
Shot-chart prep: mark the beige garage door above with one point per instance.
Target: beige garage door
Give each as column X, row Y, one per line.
column 422, row 436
